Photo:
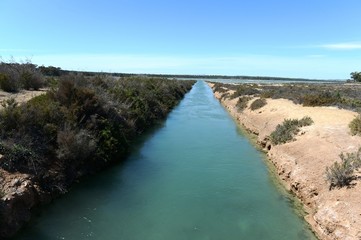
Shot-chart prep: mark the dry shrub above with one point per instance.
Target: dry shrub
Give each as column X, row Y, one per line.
column 242, row 103
column 75, row 145
column 258, row 103
column 341, row 173
column 285, row 132
column 355, row 126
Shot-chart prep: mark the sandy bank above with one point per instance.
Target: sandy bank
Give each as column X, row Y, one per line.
column 333, row 214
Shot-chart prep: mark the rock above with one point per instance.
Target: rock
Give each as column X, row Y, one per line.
column 20, row 197
column 15, row 182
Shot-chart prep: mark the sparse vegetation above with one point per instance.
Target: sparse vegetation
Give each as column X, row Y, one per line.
column 258, row 103
column 285, row 132
column 341, row 173
column 313, row 94
column 242, row 103
column 323, row 99
column 355, row 126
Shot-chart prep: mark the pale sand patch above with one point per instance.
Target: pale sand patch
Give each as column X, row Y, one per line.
column 301, row 164
column 22, row 96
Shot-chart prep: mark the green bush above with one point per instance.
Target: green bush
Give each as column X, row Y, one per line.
column 258, row 103
column 242, row 103
column 305, row 121
column 31, row 79
column 11, row 82
column 9, row 116
column 19, row 158
column 341, row 173
column 355, row 126
column 285, row 132
column 7, row 84
column 323, row 99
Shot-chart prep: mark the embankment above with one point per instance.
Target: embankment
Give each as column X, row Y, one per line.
column 301, row 164
column 82, row 126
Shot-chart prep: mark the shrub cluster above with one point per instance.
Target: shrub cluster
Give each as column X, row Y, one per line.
column 341, row 173
column 242, row 103
column 15, row 76
column 285, row 132
column 323, row 99
column 355, row 126
column 258, row 103
column 83, row 124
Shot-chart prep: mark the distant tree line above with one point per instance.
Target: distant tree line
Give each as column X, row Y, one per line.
column 51, row 71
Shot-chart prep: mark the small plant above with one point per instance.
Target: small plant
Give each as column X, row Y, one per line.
column 341, row 173
column 9, row 115
column 355, row 126
column 258, row 103
column 305, row 121
column 242, row 103
column 285, row 132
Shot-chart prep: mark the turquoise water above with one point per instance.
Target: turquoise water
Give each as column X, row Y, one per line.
column 196, row 177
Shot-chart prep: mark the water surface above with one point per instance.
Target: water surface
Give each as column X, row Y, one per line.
column 196, row 177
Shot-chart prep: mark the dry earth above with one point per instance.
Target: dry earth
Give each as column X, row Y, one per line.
column 20, row 97
column 332, row 214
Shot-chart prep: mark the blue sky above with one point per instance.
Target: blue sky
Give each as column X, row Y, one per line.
column 311, row 39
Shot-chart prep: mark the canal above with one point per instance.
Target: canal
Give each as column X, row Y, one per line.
column 195, row 177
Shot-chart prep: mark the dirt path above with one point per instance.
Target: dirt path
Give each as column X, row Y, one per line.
column 333, row 214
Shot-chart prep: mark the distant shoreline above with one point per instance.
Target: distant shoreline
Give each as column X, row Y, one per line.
column 204, row 76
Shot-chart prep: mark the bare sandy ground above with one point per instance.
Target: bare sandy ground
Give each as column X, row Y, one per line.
column 301, row 164
column 22, row 96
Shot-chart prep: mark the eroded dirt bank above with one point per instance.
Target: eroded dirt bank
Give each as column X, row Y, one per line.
column 301, row 164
